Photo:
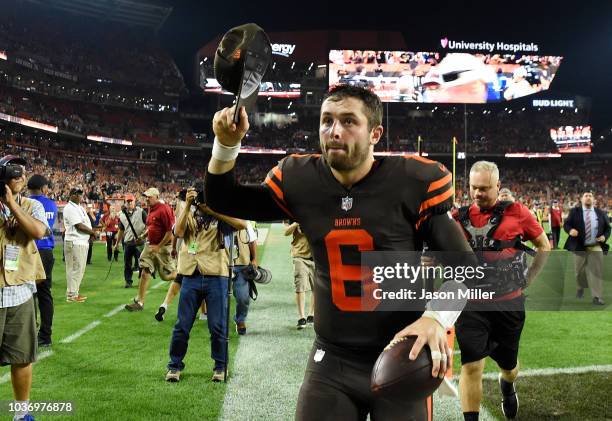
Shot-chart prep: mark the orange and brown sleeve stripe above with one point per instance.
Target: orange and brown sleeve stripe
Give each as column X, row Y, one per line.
column 440, row 183
column 274, row 183
column 436, row 200
column 442, row 190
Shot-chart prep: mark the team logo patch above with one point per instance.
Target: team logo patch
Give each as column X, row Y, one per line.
column 347, row 203
column 318, row 356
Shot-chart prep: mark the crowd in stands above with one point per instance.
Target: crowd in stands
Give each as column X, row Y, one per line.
column 104, row 171
column 83, row 52
column 93, row 119
column 494, row 131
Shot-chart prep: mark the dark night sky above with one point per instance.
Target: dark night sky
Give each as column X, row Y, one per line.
column 576, row 30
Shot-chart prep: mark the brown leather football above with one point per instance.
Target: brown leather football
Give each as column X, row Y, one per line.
column 395, row 376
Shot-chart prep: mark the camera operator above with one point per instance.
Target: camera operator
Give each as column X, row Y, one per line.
column 132, row 231
column 22, row 221
column 203, row 262
column 79, row 236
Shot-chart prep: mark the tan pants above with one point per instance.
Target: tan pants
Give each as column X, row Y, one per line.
column 76, row 260
column 589, row 270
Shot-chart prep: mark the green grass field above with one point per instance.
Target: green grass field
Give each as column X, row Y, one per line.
column 116, row 370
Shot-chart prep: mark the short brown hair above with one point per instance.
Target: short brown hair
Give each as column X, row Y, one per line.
column 371, row 102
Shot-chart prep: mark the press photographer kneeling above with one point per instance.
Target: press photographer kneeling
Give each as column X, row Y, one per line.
column 203, row 261
column 22, row 221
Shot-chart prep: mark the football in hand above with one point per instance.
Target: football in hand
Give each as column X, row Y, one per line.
column 396, row 376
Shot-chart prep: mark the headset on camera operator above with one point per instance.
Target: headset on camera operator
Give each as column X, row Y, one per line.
column 22, row 221
column 203, row 261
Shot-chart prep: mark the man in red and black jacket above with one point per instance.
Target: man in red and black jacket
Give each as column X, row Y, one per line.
column 496, row 231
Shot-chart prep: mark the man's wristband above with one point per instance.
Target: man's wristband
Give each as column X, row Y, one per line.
column 224, row 153
column 446, row 318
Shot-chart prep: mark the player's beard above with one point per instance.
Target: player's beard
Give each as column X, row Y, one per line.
column 345, row 161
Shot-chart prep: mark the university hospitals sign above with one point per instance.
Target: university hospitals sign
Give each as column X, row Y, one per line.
column 488, row 46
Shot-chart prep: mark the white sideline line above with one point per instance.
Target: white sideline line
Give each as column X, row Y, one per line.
column 115, row 311
column 7, row 377
column 262, row 234
column 80, row 333
column 552, row 371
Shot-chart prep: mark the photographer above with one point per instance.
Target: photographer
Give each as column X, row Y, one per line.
column 132, row 230
column 79, row 236
column 22, row 221
column 203, row 261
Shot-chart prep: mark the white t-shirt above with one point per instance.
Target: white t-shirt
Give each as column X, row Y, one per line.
column 75, row 214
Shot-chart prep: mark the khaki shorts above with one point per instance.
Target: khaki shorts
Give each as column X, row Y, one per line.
column 303, row 274
column 18, row 334
column 161, row 262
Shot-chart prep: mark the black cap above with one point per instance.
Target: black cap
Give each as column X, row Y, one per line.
column 37, row 182
column 241, row 60
column 76, row 190
column 12, row 159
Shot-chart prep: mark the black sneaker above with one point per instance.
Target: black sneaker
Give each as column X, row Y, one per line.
column 301, row 324
column 159, row 316
column 128, row 285
column 310, row 319
column 44, row 344
column 510, row 403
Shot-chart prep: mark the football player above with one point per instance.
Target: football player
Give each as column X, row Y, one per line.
column 347, row 202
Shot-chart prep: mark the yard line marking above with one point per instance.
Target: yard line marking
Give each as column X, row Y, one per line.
column 157, row 285
column 80, row 333
column 7, row 377
column 552, row 371
column 115, row 311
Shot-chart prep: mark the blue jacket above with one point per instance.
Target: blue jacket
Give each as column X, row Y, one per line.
column 48, row 242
